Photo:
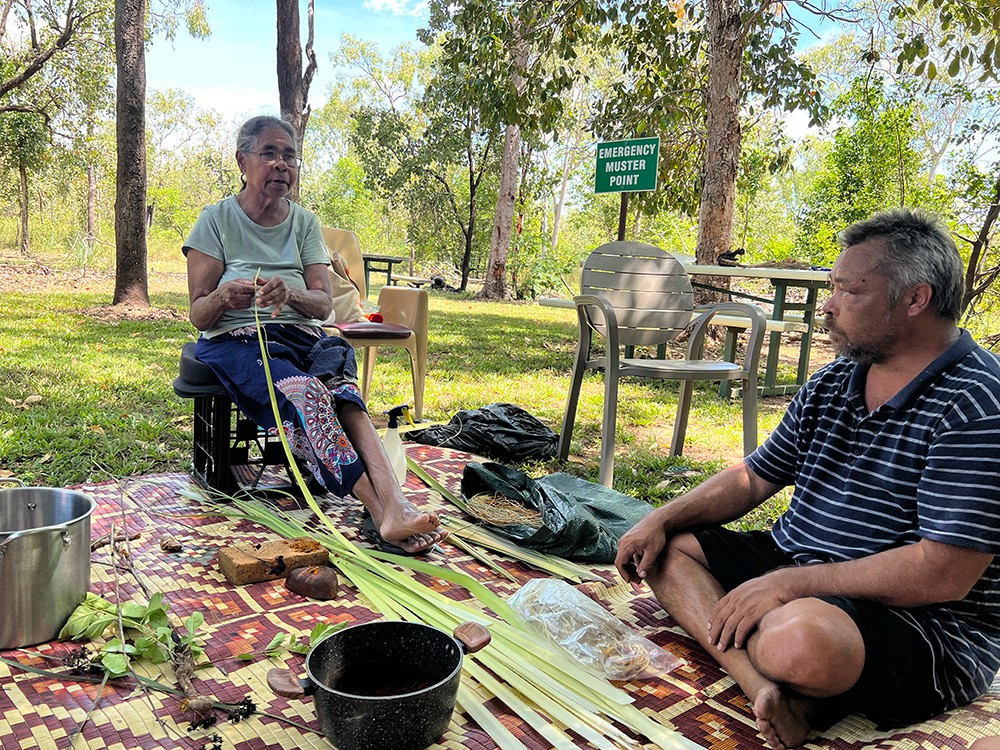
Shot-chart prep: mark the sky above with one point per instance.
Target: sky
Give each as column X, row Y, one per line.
column 233, row 70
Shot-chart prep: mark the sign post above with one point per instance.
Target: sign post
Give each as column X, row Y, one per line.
column 626, row 167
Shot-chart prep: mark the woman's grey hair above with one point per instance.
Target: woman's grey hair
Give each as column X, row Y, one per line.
column 246, row 139
column 917, row 249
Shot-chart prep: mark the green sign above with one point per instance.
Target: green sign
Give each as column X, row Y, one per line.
column 626, row 166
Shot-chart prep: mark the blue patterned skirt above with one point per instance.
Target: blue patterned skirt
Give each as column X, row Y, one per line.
column 312, row 374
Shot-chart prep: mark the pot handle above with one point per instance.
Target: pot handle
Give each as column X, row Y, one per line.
column 11, row 480
column 62, row 530
column 472, row 636
column 283, row 682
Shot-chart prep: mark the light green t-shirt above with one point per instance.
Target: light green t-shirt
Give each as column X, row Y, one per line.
column 224, row 232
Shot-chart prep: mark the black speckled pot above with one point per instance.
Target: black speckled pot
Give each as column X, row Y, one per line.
column 388, row 685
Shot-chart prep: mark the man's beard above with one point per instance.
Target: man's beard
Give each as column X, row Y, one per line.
column 870, row 353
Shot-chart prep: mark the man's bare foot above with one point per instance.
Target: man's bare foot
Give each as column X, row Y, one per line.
column 782, row 717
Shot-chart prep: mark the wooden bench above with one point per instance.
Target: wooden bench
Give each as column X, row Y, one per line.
column 415, row 281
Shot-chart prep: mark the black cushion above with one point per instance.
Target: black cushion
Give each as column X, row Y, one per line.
column 196, row 378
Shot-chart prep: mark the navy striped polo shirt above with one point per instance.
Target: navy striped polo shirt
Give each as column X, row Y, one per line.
column 924, row 465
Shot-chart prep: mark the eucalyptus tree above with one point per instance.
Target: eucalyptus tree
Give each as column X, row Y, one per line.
column 294, row 80
column 189, row 163
column 875, row 163
column 33, row 38
column 952, row 95
column 694, row 70
column 418, row 138
column 130, row 29
column 23, row 143
column 516, row 56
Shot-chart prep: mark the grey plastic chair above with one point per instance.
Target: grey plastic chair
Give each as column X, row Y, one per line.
column 634, row 294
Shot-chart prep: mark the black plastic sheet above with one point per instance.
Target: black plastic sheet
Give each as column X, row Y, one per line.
column 581, row 520
column 503, row 432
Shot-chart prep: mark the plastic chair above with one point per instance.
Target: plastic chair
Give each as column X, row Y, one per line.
column 405, row 314
column 634, row 294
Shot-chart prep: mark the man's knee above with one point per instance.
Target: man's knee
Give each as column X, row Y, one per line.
column 811, row 645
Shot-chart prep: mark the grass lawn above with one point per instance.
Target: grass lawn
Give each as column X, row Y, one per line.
column 86, row 396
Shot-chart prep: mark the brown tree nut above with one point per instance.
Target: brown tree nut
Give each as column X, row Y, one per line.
column 314, row 582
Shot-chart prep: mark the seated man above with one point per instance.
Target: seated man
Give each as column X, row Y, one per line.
column 878, row 590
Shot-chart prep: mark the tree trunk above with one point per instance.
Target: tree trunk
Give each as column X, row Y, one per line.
column 722, row 136
column 91, row 205
column 569, row 164
column 976, row 283
column 470, row 233
column 22, row 238
column 293, row 82
column 495, row 286
column 131, row 278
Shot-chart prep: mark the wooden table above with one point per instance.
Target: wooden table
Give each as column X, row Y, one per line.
column 783, row 280
column 380, row 264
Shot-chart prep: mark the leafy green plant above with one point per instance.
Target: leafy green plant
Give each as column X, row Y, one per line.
column 146, row 628
column 286, row 642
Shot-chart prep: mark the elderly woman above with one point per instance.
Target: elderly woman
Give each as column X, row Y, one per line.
column 258, row 250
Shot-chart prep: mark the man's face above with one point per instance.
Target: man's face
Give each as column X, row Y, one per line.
column 861, row 324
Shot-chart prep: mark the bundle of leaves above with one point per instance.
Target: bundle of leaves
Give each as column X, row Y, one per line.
column 144, row 632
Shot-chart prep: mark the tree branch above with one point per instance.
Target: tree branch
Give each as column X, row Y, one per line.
column 35, row 64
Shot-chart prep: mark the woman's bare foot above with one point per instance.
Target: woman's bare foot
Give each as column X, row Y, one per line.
column 408, row 527
column 782, row 718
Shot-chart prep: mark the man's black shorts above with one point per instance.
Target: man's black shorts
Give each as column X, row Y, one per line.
column 896, row 686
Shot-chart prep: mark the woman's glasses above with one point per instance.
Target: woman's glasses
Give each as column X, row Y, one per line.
column 270, row 157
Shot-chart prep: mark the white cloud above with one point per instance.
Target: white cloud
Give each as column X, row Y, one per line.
column 397, row 7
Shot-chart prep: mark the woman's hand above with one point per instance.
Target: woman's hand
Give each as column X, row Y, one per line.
column 237, row 294
column 273, row 292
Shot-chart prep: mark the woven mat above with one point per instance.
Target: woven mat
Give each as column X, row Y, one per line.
column 697, row 700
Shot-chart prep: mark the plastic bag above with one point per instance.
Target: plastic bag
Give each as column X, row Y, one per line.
column 503, row 432
column 580, row 520
column 602, row 643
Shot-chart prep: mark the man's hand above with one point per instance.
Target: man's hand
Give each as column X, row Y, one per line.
column 740, row 611
column 639, row 548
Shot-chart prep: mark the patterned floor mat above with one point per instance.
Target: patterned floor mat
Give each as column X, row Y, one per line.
column 698, row 700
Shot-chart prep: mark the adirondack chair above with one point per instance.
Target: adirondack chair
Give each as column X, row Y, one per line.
column 634, row 294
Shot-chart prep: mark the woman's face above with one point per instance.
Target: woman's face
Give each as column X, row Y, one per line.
column 271, row 168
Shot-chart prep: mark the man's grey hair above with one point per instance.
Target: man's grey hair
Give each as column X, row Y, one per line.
column 246, row 139
column 917, row 249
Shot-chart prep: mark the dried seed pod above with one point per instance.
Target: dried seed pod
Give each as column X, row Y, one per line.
column 315, row 582
column 169, row 543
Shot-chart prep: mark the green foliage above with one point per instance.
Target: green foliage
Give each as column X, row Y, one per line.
column 524, row 54
column 663, row 47
column 147, row 630
column 287, row 643
column 975, row 17
column 23, row 140
column 873, row 165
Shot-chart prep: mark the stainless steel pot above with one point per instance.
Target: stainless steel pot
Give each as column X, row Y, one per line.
column 44, row 561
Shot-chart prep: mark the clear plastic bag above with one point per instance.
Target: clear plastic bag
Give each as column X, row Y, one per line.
column 574, row 621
